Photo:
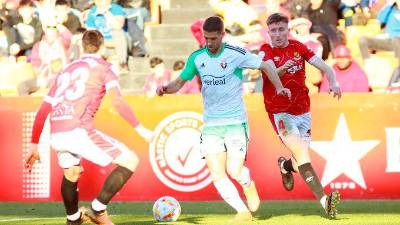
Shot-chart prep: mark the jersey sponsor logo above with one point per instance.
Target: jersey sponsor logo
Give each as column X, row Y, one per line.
column 295, row 68
column 296, row 56
column 213, row 80
column 277, row 58
column 175, row 152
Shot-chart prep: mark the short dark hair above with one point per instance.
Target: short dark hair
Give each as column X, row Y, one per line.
column 213, row 24
column 178, row 65
column 276, row 18
column 23, row 3
column 62, row 2
column 155, row 61
column 92, row 40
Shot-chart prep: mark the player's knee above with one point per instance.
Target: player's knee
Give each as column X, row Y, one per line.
column 73, row 173
column 233, row 172
column 128, row 160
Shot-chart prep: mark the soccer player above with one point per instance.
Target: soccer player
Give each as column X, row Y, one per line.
column 291, row 117
column 72, row 103
column 225, row 136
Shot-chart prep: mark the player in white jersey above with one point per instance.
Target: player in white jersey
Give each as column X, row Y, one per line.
column 225, row 134
column 72, row 103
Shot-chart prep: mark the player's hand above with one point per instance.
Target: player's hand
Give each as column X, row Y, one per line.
column 288, row 64
column 32, row 156
column 145, row 133
column 160, row 90
column 336, row 91
column 284, row 92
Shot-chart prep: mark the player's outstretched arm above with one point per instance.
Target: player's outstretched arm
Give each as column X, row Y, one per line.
column 40, row 119
column 127, row 113
column 172, row 87
column 274, row 78
column 330, row 75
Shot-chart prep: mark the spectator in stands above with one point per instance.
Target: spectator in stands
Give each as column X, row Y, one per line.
column 296, row 8
column 81, row 5
column 324, row 17
column 136, row 15
column 394, row 83
column 300, row 30
column 26, row 29
column 159, row 76
column 197, row 31
column 66, row 17
column 5, row 29
column 389, row 17
column 76, row 49
column 349, row 74
column 190, row 87
column 109, row 19
column 49, row 56
column 237, row 15
column 355, row 12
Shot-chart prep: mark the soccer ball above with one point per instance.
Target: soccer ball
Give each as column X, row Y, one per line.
column 166, row 209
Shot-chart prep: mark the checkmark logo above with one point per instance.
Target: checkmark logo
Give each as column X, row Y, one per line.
column 182, row 158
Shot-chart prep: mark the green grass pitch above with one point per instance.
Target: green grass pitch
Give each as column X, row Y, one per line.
column 214, row 213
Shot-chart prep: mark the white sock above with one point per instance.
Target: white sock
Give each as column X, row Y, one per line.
column 74, row 216
column 283, row 168
column 323, row 201
column 98, row 206
column 244, row 177
column 229, row 193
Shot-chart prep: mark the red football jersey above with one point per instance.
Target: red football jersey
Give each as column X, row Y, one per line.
column 293, row 79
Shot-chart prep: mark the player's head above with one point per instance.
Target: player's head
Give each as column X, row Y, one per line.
column 213, row 29
column 92, row 41
column 278, row 29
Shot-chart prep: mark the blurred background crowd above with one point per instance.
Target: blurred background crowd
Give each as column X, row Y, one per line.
column 148, row 41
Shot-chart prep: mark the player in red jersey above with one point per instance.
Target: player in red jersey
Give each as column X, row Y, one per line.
column 291, row 117
column 72, row 103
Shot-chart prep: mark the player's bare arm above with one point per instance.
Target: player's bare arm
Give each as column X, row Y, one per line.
column 38, row 124
column 274, row 78
column 330, row 74
column 126, row 112
column 281, row 70
column 172, row 87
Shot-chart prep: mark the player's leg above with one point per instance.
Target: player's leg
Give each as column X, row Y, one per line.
column 236, row 141
column 213, row 148
column 286, row 166
column 329, row 203
column 104, row 151
column 72, row 171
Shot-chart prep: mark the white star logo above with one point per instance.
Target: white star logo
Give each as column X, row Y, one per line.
column 342, row 154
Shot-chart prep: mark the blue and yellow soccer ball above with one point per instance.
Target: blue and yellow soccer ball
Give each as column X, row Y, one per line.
column 166, row 209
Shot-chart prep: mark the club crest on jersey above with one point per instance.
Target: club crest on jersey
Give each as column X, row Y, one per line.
column 223, row 64
column 277, row 58
column 202, row 65
column 296, row 56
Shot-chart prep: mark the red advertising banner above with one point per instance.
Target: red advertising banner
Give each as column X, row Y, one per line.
column 355, row 149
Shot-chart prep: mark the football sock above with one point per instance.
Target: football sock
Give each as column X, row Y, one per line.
column 230, row 194
column 287, row 166
column 244, row 177
column 75, row 216
column 69, row 192
column 312, row 180
column 114, row 182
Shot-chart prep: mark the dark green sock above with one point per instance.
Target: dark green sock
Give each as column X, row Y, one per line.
column 310, row 177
